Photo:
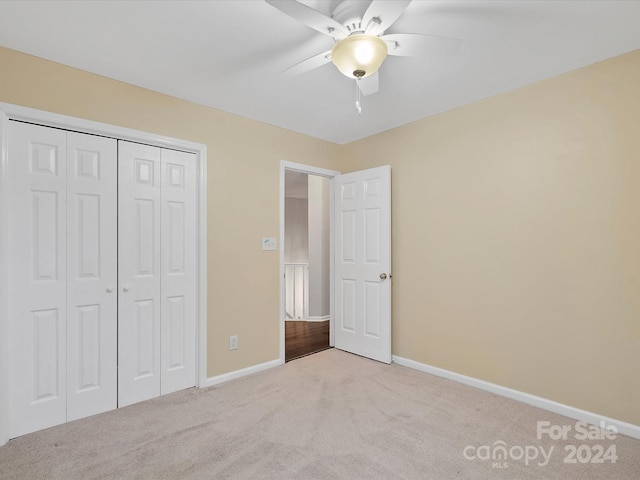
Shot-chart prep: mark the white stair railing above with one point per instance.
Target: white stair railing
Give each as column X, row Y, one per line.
column 296, row 296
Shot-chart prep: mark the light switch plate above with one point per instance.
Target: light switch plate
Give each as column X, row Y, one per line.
column 268, row 243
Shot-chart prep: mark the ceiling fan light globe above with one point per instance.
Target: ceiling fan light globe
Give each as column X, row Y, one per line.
column 359, row 53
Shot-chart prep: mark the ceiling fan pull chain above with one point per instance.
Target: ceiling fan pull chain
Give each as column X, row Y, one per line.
column 358, row 107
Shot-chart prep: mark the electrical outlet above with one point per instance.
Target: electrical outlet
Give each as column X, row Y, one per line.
column 233, row 342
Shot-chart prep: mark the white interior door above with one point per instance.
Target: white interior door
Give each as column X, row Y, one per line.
column 157, row 272
column 362, row 274
column 63, row 270
column 178, row 281
column 139, row 273
column 37, row 290
column 92, row 241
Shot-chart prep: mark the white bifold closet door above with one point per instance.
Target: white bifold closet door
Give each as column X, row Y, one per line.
column 157, row 271
column 62, row 299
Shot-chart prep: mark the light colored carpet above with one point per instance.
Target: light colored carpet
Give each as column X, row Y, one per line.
column 327, row 416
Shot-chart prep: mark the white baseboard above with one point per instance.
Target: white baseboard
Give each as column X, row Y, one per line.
column 225, row 377
column 309, row 319
column 622, row 427
column 318, row 319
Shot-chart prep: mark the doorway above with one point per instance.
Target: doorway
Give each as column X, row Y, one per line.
column 306, row 264
column 306, row 261
column 359, row 268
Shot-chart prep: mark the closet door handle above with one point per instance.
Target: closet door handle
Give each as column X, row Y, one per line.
column 125, row 288
column 109, row 289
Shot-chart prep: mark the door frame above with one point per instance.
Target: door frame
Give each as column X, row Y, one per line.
column 321, row 172
column 15, row 112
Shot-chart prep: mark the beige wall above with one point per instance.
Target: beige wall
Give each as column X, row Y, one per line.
column 516, row 233
column 516, row 237
column 243, row 184
column 319, row 246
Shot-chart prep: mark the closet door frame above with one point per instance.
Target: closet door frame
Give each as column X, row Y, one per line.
column 10, row 112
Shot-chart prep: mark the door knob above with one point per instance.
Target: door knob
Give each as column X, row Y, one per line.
column 125, row 288
column 383, row 276
column 109, row 289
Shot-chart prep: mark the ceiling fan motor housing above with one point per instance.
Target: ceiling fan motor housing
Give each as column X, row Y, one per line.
column 349, row 13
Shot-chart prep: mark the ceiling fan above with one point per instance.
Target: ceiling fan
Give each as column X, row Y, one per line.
column 361, row 45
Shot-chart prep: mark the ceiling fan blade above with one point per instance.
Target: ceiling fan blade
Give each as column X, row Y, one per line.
column 308, row 64
column 414, row 44
column 369, row 85
column 386, row 11
column 310, row 17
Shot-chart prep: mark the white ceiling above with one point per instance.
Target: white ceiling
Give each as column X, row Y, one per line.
column 227, row 54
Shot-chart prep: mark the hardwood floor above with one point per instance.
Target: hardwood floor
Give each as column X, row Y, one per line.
column 304, row 338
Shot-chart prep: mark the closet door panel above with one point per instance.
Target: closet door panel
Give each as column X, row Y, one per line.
column 178, row 285
column 37, row 264
column 91, row 274
column 139, row 272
